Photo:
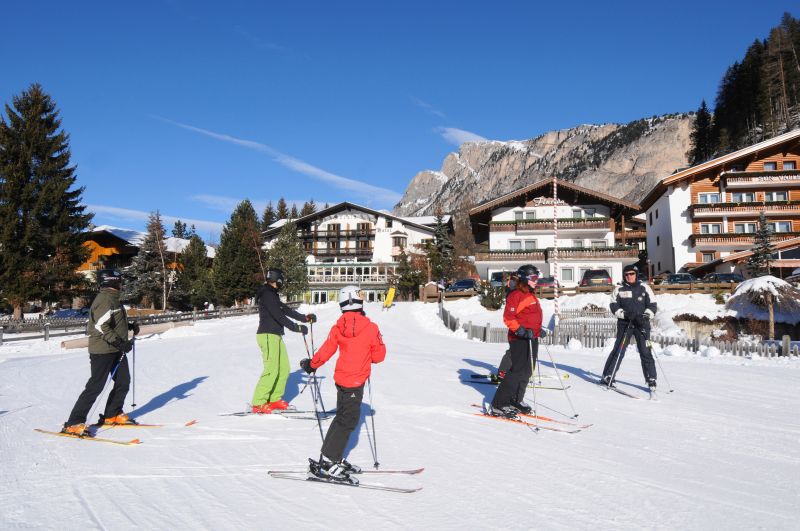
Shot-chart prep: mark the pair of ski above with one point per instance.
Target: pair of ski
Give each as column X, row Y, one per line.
column 296, row 414
column 89, row 436
column 302, row 475
column 652, row 395
column 522, row 418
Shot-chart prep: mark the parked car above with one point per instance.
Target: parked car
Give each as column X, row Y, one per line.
column 720, row 278
column 68, row 313
column 680, row 278
column 499, row 279
column 596, row 277
column 465, row 284
column 547, row 282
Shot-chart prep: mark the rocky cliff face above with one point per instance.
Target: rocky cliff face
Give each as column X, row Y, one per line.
column 625, row 161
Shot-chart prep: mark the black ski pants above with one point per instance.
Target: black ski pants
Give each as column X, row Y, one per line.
column 102, row 365
column 348, row 412
column 512, row 388
column 624, row 333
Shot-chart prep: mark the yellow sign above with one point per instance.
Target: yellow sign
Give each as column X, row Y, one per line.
column 387, row 303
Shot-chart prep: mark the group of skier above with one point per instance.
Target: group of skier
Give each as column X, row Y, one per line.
column 360, row 345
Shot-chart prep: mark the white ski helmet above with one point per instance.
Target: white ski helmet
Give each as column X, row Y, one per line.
column 350, row 298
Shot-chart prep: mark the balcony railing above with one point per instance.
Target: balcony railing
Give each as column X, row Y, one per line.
column 631, row 235
column 564, row 253
column 337, row 234
column 745, row 209
column 762, row 179
column 340, row 252
column 593, row 224
column 349, row 279
column 744, row 240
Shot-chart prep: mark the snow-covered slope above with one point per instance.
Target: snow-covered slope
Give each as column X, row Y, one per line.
column 718, row 453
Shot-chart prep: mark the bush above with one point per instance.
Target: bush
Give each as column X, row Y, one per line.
column 492, row 298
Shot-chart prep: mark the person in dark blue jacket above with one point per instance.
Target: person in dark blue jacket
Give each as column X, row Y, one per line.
column 634, row 304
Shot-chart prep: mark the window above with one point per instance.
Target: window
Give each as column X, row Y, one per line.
column 659, row 267
column 789, row 165
column 656, row 213
column 742, row 197
column 769, row 166
column 518, row 216
column 589, row 212
column 567, row 274
column 776, row 196
column 709, row 198
column 364, row 227
column 334, row 227
column 399, row 241
column 388, row 223
column 708, row 257
column 362, row 244
column 577, row 213
column 737, row 167
column 530, row 244
column 781, row 226
column 658, row 240
column 744, row 228
column 577, row 243
column 515, row 245
column 599, row 244
column 530, row 215
column 651, row 218
column 710, row 228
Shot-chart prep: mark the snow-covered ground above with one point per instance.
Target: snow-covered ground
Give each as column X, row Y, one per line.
column 721, row 452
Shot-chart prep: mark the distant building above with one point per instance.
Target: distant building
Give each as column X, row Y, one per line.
column 703, row 219
column 351, row 244
column 595, row 231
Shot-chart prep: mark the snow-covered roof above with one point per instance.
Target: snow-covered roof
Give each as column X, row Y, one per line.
column 136, row 239
column 426, row 220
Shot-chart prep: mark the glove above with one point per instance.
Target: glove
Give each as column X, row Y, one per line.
column 123, row 345
column 303, row 329
column 311, row 318
column 305, row 364
column 648, row 313
column 620, row 314
column 543, row 333
column 523, row 333
column 134, row 327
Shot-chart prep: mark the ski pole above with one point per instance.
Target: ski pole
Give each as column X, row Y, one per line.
column 561, row 381
column 622, row 346
column 133, row 402
column 535, row 405
column 110, row 377
column 316, row 411
column 373, row 439
column 660, row 368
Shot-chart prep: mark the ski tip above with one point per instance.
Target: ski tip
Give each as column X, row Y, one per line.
column 135, row 441
column 191, row 423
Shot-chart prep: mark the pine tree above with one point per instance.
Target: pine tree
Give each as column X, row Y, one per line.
column 288, row 255
column 442, row 259
column 179, row 230
column 148, row 280
column 309, row 207
column 268, row 217
column 41, row 215
column 237, row 265
column 758, row 264
column 294, row 214
column 195, row 279
column 701, row 137
column 407, row 278
column 283, row 210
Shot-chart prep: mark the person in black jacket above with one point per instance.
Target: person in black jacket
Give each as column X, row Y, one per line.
column 634, row 304
column 273, row 317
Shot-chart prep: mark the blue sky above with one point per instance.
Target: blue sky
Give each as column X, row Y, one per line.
column 190, row 106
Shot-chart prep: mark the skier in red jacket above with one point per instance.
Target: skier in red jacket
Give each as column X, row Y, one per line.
column 523, row 317
column 360, row 345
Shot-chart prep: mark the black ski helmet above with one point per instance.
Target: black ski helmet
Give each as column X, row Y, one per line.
column 109, row 278
column 275, row 275
column 528, row 272
column 629, row 268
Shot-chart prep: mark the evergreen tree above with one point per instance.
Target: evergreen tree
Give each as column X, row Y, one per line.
column 294, row 214
column 288, row 255
column 195, row 279
column 758, row 264
column 191, row 232
column 701, row 137
column 309, row 207
column 179, row 230
column 408, row 279
column 442, row 259
column 41, row 215
column 148, row 280
column 283, row 210
column 237, row 265
column 268, row 217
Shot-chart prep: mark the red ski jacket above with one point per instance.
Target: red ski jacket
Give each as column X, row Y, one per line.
column 522, row 309
column 360, row 345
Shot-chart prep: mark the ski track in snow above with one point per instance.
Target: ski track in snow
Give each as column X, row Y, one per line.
column 718, row 453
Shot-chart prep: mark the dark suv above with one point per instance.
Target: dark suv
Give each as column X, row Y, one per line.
column 596, row 277
column 466, row 284
column 680, row 278
column 721, row 278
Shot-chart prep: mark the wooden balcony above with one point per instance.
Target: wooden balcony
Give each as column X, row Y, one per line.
column 631, row 235
column 528, row 255
column 564, row 253
column 762, row 179
column 749, row 209
column 732, row 240
column 340, row 253
column 337, row 235
column 546, row 225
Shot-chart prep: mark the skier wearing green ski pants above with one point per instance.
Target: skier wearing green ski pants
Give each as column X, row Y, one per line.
column 273, row 318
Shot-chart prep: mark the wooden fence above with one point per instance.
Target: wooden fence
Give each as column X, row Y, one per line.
column 658, row 289
column 596, row 327
column 23, row 329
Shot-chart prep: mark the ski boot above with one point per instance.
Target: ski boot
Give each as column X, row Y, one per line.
column 78, row 430
column 350, row 467
column 117, row 420
column 522, row 407
column 605, row 381
column 279, row 405
column 263, row 409
column 651, row 384
column 328, row 471
column 497, row 378
column 508, row 412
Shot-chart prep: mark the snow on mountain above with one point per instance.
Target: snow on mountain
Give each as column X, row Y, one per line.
column 715, row 454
